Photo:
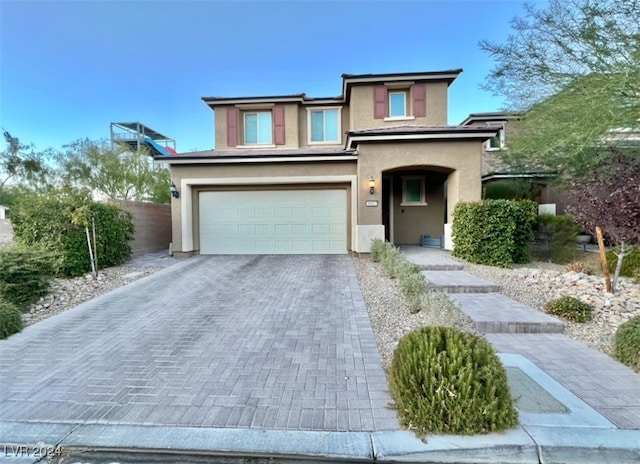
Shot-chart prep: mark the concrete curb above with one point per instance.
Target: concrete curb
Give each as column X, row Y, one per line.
column 522, row 445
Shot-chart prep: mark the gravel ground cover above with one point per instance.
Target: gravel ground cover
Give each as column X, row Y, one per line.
column 389, row 314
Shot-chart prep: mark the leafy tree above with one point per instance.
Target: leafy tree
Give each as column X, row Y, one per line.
column 610, row 199
column 20, row 162
column 574, row 67
column 113, row 171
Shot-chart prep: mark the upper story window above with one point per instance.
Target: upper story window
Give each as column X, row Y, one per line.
column 257, row 128
column 399, row 101
column 496, row 142
column 324, row 125
column 397, row 104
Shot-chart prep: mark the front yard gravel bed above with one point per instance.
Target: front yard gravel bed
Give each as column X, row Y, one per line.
column 389, row 314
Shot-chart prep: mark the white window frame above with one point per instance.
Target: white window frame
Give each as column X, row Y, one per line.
column 324, row 108
column 422, row 201
column 406, row 105
column 487, row 144
column 244, row 128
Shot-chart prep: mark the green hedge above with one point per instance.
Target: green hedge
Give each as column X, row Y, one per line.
column 448, row 382
column 49, row 221
column 25, row 274
column 494, row 232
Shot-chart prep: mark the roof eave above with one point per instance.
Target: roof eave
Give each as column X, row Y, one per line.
column 408, row 137
column 254, row 159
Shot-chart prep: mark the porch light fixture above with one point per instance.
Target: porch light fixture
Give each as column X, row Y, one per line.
column 174, row 190
column 372, row 185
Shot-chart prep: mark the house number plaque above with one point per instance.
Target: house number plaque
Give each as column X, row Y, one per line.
column 372, row 203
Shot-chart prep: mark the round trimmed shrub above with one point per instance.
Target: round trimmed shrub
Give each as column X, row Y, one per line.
column 445, row 381
column 627, row 343
column 570, row 308
column 10, row 319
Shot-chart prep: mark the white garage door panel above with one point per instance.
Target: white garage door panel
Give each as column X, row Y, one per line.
column 273, row 222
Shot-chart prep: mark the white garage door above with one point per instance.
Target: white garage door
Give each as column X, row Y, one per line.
column 273, row 222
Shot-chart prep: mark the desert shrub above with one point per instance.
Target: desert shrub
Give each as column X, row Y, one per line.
column 556, row 238
column 56, row 222
column 630, row 263
column 10, row 319
column 448, row 382
column 25, row 274
column 412, row 285
column 377, row 249
column 570, row 308
column 392, row 261
column 579, row 266
column 493, row 232
column 627, row 343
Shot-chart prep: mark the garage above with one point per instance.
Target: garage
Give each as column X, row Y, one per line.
column 273, row 222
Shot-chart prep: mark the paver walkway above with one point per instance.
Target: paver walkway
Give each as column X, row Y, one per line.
column 270, row 342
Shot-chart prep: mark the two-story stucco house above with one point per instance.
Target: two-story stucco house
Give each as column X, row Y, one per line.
column 293, row 174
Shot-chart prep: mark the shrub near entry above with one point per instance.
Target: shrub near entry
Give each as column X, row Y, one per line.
column 493, row 232
column 445, row 381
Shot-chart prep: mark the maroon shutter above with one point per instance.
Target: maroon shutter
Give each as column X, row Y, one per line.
column 278, row 125
column 232, row 127
column 419, row 104
column 380, row 102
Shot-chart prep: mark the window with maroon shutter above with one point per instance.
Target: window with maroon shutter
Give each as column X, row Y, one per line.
column 278, row 125
column 419, row 103
column 232, row 127
column 380, row 102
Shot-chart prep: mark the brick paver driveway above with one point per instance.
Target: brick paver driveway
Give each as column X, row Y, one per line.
column 272, row 342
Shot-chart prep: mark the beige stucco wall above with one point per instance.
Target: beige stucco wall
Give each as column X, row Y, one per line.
column 291, row 129
column 294, row 171
column 462, row 159
column 361, row 107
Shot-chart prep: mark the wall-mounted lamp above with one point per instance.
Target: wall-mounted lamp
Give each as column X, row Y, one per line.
column 372, row 185
column 174, row 190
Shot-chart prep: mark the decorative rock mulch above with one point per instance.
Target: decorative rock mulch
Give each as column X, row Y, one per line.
column 67, row 293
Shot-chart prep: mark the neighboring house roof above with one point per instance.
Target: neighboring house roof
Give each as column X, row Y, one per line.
column 490, row 116
column 260, row 155
column 420, row 132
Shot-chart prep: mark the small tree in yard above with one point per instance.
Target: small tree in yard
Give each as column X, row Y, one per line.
column 610, row 199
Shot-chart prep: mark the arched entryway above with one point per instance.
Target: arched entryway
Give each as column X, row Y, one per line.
column 414, row 205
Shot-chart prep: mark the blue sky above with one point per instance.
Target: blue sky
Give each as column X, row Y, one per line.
column 69, row 68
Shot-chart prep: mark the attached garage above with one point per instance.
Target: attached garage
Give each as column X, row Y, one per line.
column 273, row 221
